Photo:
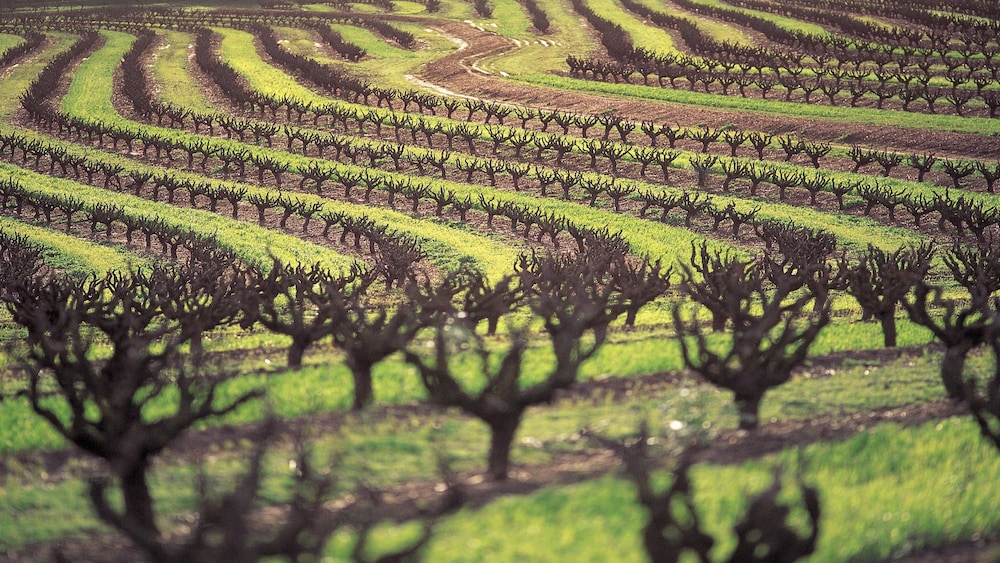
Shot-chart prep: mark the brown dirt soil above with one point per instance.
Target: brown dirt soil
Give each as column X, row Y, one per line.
column 732, row 446
column 572, row 161
column 455, row 72
column 402, row 502
column 60, row 464
column 981, row 550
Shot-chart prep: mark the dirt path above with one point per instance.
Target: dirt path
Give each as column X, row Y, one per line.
column 405, row 501
column 731, row 446
column 460, row 73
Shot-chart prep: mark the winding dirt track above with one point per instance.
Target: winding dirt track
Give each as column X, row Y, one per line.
column 457, row 72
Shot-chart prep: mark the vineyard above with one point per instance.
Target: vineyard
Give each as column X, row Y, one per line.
column 499, row 280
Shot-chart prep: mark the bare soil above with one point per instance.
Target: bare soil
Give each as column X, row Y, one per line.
column 456, row 72
column 731, row 447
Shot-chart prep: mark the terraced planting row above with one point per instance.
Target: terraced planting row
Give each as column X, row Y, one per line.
column 713, row 278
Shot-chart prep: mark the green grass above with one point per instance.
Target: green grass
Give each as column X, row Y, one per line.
column 406, row 8
column 302, row 42
column 646, row 36
column 657, row 241
column 237, row 49
column 445, row 242
column 364, row 8
column 659, row 351
column 909, row 187
column 387, row 451
column 384, row 63
column 249, row 242
column 647, row 238
column 70, row 254
column 867, row 116
column 456, row 10
column 720, row 31
column 509, row 19
column 91, row 90
column 171, row 68
column 44, row 514
column 390, row 66
column 19, row 79
column 564, row 32
column 368, row 40
column 496, row 258
column 790, row 24
column 318, row 8
column 324, row 384
column 87, row 97
column 87, row 93
column 854, row 231
column 808, row 170
column 383, row 452
column 882, row 492
column 387, row 64
column 8, row 41
column 302, row 45
column 850, row 230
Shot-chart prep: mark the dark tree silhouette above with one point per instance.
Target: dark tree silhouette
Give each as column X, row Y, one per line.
column 985, row 403
column 771, row 329
column 574, row 296
column 499, row 403
column 127, row 407
column 764, row 534
column 715, row 281
column 639, row 283
column 573, row 299
column 369, row 334
column 306, row 303
column 961, row 325
column 976, row 267
column 226, row 528
column 230, row 526
column 879, row 280
column 802, row 254
column 673, row 528
column 20, row 263
column 483, row 301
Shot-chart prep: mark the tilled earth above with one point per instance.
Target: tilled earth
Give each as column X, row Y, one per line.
column 455, row 72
